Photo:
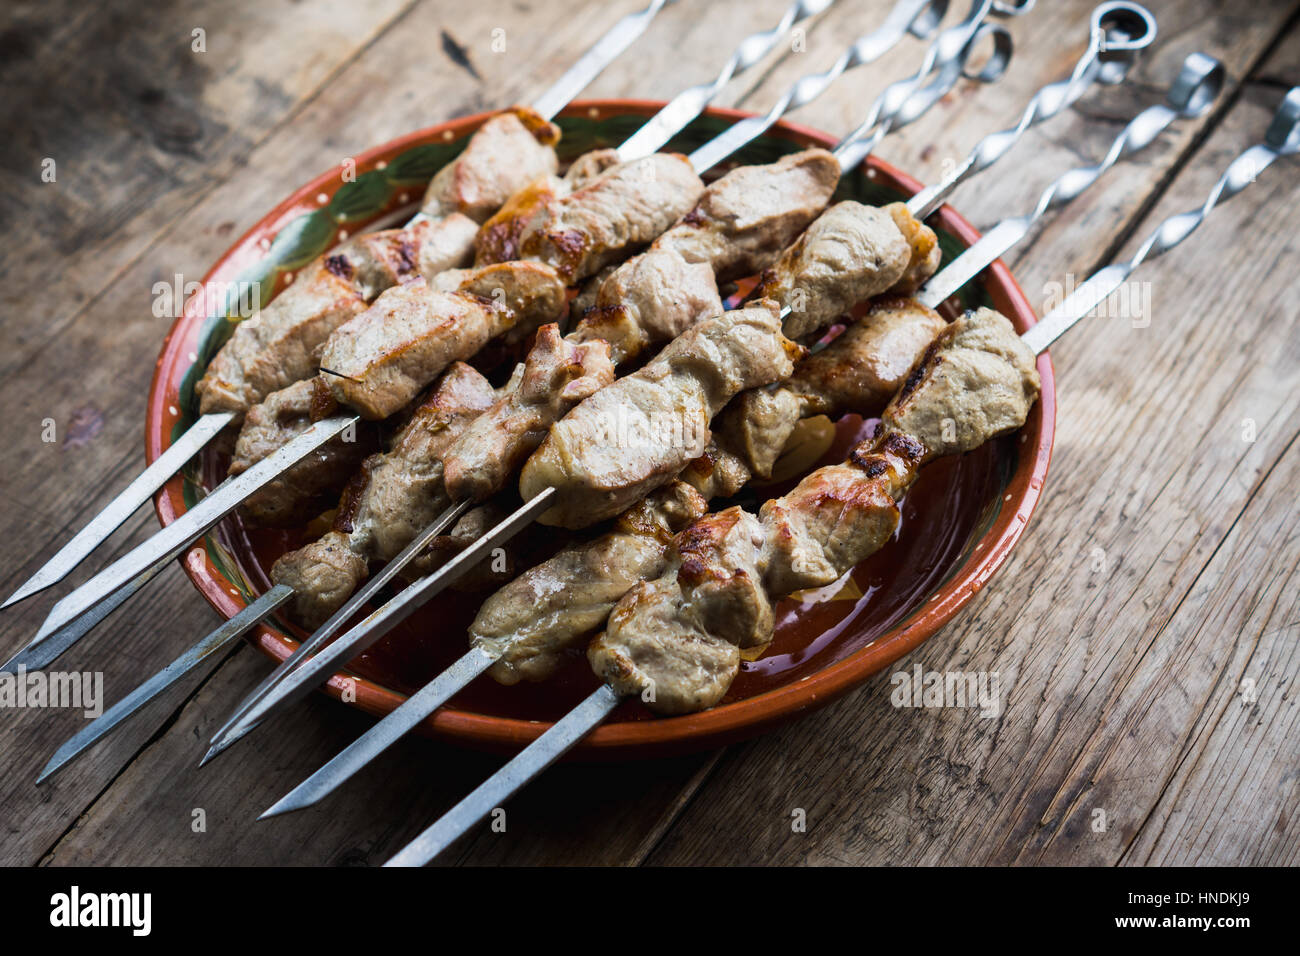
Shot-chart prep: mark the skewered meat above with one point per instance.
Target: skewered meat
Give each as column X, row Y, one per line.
column 741, row 222
column 588, row 291
column 622, row 209
column 488, row 573
column 850, row 254
column 536, row 616
column 381, row 359
column 390, row 500
column 746, row 218
column 676, row 640
column 557, row 375
column 306, row 487
column 312, row 485
column 507, row 152
column 278, row 346
column 498, row 239
column 576, row 588
column 650, row 299
column 925, row 256
column 636, row 434
column 860, row 371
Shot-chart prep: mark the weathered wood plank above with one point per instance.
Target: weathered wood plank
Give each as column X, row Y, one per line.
column 140, row 120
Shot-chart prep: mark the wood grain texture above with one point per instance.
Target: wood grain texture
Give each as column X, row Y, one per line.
column 1122, row 687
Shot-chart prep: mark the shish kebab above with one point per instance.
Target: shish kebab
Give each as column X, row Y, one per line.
column 521, row 631
column 607, row 49
column 912, row 100
column 914, row 16
column 229, row 389
column 729, row 568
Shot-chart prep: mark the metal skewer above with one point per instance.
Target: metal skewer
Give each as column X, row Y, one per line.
column 1282, row 139
column 296, row 676
column 688, row 104
column 913, row 16
column 1192, row 93
column 176, row 537
column 1200, row 73
column 215, row 643
column 617, row 39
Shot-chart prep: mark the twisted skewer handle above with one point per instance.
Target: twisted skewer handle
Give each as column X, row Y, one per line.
column 688, row 104
column 1119, row 28
column 1282, row 139
column 853, row 151
column 1192, row 93
column 949, row 49
column 916, row 16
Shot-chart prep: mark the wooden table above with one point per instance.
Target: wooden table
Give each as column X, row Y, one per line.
column 1144, row 631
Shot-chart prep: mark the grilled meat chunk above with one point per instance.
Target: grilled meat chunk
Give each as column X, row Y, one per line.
column 380, row 360
column 746, row 219
column 323, row 576
column 536, row 617
column 851, row 253
column 392, row 498
column 719, row 472
column 556, row 376
column 489, row 573
column 925, row 254
column 313, row 484
column 859, row 372
column 636, row 434
column 650, row 299
column 498, row 239
column 616, row 213
column 506, row 153
column 977, row 380
column 576, row 588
